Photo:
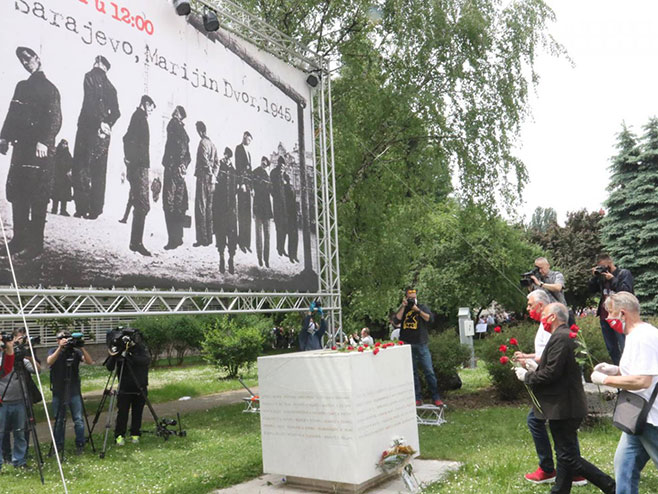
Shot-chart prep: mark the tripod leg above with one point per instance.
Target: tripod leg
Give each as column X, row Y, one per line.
column 84, row 413
column 60, row 424
column 108, row 424
column 106, row 391
column 31, row 425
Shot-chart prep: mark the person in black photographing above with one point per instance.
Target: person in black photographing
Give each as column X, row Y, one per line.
column 64, row 362
column 127, row 347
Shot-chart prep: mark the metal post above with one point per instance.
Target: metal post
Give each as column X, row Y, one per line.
column 466, row 331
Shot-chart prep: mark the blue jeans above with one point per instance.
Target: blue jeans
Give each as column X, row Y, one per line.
column 12, row 417
column 539, row 434
column 75, row 405
column 614, row 341
column 420, row 356
column 632, row 454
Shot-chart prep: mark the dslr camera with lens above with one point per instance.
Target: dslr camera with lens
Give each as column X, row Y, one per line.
column 526, row 278
column 599, row 270
column 22, row 350
column 6, row 337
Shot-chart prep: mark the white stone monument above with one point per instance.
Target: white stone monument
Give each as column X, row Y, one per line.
column 327, row 416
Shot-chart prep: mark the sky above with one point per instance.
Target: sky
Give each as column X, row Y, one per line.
column 577, row 110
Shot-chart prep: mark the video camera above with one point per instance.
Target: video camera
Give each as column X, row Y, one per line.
column 526, row 279
column 22, row 350
column 120, row 339
column 76, row 340
column 599, row 270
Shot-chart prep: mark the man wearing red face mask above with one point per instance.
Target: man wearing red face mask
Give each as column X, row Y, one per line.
column 637, row 372
column 545, row 473
column 557, row 384
column 608, row 279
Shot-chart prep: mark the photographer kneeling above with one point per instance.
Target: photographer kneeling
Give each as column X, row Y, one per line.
column 128, row 347
column 64, row 362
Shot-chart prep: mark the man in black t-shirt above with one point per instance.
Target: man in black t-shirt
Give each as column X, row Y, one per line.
column 64, row 362
column 415, row 319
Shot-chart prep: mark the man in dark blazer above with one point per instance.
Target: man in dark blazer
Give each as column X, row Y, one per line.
column 557, row 383
column 279, row 205
column 31, row 126
column 262, row 211
column 136, row 156
column 176, row 159
column 243, row 170
column 99, row 113
column 224, row 217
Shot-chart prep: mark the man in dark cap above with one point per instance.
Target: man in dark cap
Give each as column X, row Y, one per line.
column 136, row 156
column 225, row 219
column 176, row 159
column 243, row 169
column 33, row 120
column 205, row 172
column 262, row 210
column 100, row 111
column 279, row 205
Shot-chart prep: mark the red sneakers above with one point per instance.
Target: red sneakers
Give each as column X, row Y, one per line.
column 579, row 481
column 438, row 403
column 540, row 477
column 419, row 403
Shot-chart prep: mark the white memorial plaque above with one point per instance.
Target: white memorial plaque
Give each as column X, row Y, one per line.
column 328, row 415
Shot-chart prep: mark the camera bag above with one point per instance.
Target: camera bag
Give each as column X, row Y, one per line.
column 631, row 411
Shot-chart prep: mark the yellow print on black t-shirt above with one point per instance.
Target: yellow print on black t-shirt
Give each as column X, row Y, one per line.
column 410, row 320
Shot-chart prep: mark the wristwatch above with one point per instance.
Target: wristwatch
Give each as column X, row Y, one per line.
column 541, row 284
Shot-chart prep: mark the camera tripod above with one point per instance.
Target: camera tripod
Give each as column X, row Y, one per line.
column 60, row 415
column 22, row 375
column 161, row 425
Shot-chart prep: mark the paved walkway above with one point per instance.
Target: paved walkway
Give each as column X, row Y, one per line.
column 426, row 472
column 163, row 410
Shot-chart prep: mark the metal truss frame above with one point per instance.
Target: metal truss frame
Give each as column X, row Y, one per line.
column 40, row 304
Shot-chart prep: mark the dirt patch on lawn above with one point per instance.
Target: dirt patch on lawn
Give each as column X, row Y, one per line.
column 484, row 398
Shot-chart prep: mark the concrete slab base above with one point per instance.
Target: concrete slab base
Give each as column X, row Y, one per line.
column 426, row 471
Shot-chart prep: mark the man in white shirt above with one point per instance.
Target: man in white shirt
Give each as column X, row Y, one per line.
column 638, row 373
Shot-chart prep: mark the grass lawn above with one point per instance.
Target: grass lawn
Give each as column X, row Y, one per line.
column 223, row 448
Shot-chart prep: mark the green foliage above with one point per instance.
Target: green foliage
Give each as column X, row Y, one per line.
column 448, row 356
column 186, row 334
column 542, row 219
column 630, row 230
column 233, row 341
column 157, row 331
column 573, row 251
column 422, row 92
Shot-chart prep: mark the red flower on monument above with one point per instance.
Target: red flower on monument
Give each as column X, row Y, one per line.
column 375, row 351
column 350, row 347
column 573, row 335
column 400, row 342
column 504, row 360
column 497, row 329
column 514, row 342
column 574, row 328
column 360, row 349
column 378, row 343
column 333, row 347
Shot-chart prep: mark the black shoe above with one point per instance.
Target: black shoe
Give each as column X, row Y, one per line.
column 140, row 249
column 78, row 215
column 64, row 213
column 123, row 220
column 79, row 450
column 32, row 252
column 91, row 216
column 170, row 247
column 198, row 244
column 248, row 250
column 243, row 249
column 267, row 264
column 15, row 246
column 260, row 262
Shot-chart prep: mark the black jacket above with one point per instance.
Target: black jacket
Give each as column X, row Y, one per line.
column 137, row 140
column 557, row 382
column 139, row 359
column 622, row 282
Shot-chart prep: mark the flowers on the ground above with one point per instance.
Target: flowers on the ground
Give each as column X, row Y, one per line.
column 396, row 456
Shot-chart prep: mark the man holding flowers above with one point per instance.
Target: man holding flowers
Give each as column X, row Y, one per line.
column 558, row 386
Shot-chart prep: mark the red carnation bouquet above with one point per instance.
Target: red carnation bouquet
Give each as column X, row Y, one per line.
column 513, row 344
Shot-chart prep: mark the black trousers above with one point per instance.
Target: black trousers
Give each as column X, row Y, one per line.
column 569, row 461
column 124, row 403
column 244, row 219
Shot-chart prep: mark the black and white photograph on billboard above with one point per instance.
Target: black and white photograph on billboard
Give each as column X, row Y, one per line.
column 139, row 150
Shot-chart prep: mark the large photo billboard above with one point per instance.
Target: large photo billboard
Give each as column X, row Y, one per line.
column 139, row 150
